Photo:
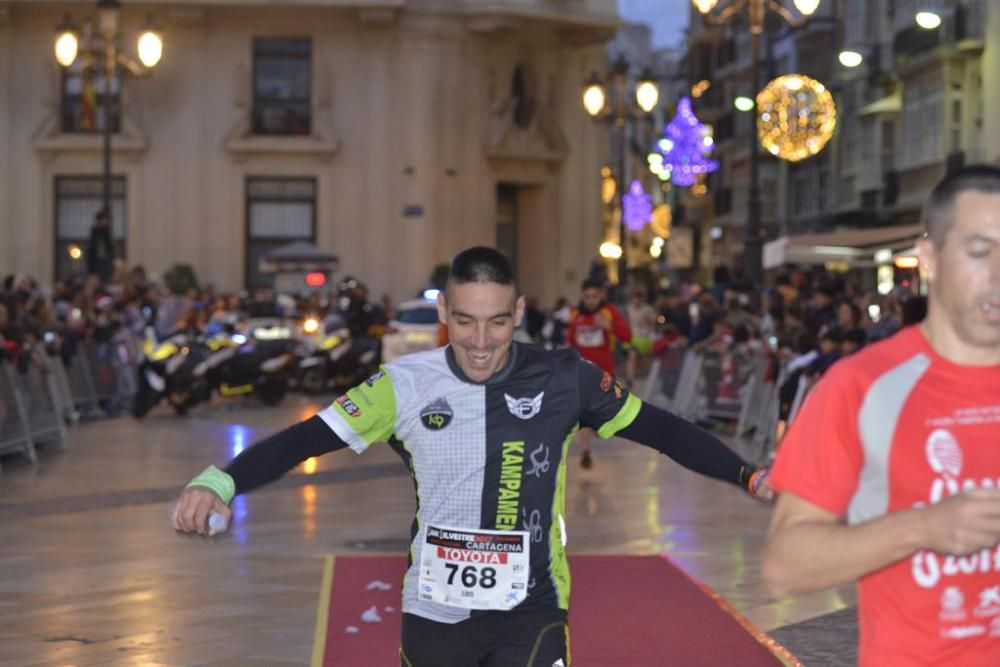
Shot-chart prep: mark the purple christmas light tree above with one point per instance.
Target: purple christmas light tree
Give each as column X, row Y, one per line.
column 637, row 207
column 685, row 146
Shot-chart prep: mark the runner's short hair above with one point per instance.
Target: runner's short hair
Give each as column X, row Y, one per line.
column 481, row 264
column 940, row 207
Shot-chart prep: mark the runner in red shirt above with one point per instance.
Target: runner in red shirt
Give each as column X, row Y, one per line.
column 901, row 441
column 596, row 326
column 594, row 329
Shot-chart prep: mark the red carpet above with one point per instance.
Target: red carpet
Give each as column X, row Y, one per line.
column 635, row 611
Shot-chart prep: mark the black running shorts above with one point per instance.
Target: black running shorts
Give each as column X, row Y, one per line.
column 533, row 637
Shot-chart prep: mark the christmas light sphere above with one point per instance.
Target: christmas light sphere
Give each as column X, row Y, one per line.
column 796, row 116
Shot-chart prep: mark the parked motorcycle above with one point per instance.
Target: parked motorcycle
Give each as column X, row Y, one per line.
column 165, row 371
column 240, row 368
column 186, row 372
column 337, row 360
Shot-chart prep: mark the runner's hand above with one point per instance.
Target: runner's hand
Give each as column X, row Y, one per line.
column 964, row 523
column 759, row 486
column 603, row 321
column 191, row 511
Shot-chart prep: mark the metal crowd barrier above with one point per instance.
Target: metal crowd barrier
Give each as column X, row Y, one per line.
column 734, row 385
column 15, row 434
column 30, row 405
column 801, row 391
column 40, row 396
column 42, row 407
column 101, row 376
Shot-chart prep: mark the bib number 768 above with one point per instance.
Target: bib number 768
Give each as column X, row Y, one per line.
column 471, row 576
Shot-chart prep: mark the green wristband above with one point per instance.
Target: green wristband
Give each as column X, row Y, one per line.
column 218, row 482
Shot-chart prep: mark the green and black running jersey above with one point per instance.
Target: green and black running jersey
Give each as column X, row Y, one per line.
column 486, row 456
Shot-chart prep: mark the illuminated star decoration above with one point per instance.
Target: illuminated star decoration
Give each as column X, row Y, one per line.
column 638, row 207
column 685, row 146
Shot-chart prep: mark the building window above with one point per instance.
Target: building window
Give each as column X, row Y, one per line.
column 849, row 139
column 723, row 201
column 933, row 127
column 83, row 101
column 78, row 199
column 279, row 211
column 801, row 192
column 911, row 124
column 282, row 85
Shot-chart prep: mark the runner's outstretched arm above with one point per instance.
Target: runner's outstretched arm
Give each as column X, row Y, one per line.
column 272, row 457
column 264, row 462
column 694, row 448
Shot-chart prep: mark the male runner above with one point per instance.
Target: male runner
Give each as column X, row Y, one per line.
column 484, row 426
column 594, row 330
column 890, row 473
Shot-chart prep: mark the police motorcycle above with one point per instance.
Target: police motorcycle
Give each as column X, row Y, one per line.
column 186, row 371
column 166, row 371
column 335, row 359
column 241, row 366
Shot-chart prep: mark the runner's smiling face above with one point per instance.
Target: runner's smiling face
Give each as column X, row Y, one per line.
column 481, row 318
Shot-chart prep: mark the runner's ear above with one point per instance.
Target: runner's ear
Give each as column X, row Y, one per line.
column 442, row 306
column 518, row 311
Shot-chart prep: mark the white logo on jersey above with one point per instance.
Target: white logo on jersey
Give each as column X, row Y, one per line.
column 532, row 523
column 989, row 599
column 945, row 458
column 539, row 466
column 952, row 598
column 943, row 453
column 524, row 408
column 952, row 603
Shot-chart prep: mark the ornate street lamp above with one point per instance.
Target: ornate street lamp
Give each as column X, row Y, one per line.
column 97, row 46
column 756, row 11
column 619, row 104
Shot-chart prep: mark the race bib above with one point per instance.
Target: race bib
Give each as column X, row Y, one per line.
column 590, row 337
column 474, row 569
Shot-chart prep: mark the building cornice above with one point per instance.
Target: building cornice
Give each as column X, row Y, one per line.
column 241, row 143
column 51, row 140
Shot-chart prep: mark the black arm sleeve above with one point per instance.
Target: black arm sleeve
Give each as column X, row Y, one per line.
column 687, row 444
column 272, row 457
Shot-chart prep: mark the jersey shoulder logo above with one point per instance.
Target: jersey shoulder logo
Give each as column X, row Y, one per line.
column 524, row 408
column 349, row 406
column 436, row 415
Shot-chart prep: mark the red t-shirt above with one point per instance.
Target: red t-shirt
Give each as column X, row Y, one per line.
column 890, row 427
column 594, row 343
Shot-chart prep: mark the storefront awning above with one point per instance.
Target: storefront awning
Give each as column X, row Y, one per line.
column 890, row 104
column 856, row 247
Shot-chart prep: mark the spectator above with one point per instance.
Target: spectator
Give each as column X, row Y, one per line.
column 100, row 248
column 914, row 310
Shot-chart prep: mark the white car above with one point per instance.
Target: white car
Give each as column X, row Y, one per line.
column 413, row 329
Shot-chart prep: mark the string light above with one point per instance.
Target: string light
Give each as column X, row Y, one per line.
column 638, row 207
column 686, row 145
column 796, row 117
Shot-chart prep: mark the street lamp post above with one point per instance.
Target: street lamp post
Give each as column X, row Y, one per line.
column 613, row 104
column 99, row 51
column 756, row 11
